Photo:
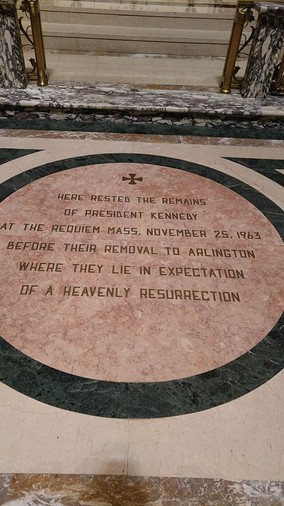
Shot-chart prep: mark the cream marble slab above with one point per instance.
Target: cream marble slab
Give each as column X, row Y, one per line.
column 238, row 441
column 140, row 70
column 178, row 6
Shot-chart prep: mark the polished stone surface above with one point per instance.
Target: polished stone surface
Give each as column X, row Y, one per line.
column 12, row 67
column 56, row 420
column 194, row 105
column 30, row 490
column 265, row 51
column 147, row 70
column 116, row 355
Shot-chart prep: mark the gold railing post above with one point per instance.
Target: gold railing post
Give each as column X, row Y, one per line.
column 34, row 12
column 237, row 29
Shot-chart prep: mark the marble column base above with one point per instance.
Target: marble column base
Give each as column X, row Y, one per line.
column 12, row 66
column 265, row 51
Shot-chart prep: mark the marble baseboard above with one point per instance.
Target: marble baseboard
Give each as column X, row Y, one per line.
column 108, row 490
column 159, row 125
column 89, row 98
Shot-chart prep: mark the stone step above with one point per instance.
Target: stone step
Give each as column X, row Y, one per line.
column 147, row 70
column 145, row 5
column 133, row 40
column 220, row 20
column 172, row 27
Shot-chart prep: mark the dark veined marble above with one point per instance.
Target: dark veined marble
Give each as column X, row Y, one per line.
column 163, row 124
column 88, row 98
column 265, row 51
column 12, row 65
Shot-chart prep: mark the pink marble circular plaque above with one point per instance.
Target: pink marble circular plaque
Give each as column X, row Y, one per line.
column 136, row 273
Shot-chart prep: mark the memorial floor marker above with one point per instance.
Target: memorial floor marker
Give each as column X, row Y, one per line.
column 140, row 280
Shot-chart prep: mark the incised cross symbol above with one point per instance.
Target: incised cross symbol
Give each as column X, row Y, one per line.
column 132, row 179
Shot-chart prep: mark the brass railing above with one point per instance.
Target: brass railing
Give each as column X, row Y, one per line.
column 35, row 39
column 229, row 79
